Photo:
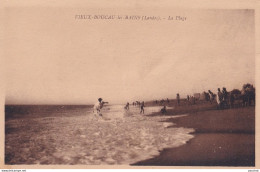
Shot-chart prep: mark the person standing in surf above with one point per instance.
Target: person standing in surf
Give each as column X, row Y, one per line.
column 142, row 107
column 98, row 106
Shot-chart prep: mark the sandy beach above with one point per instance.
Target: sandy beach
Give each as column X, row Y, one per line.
column 221, row 138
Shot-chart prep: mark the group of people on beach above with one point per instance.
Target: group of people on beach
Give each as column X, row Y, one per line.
column 191, row 99
column 223, row 98
column 100, row 103
column 161, row 102
column 136, row 103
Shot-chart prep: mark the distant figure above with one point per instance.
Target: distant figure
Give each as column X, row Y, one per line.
column 142, row 108
column 188, row 100
column 206, row 95
column 225, row 97
column 127, row 106
column 178, row 98
column 98, row 106
column 168, row 101
column 156, row 101
column 211, row 96
column 219, row 99
column 248, row 94
column 193, row 100
column 163, row 110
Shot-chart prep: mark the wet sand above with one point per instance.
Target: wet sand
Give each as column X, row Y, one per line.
column 221, row 138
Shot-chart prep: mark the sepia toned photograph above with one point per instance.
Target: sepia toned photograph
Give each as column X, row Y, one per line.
column 134, row 87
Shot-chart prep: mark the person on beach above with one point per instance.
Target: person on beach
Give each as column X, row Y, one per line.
column 142, row 107
column 178, row 99
column 188, row 99
column 98, row 106
column 163, row 110
column 219, row 99
column 211, row 96
column 225, row 97
column 127, row 106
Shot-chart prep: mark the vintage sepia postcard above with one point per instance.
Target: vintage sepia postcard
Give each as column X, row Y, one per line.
column 129, row 85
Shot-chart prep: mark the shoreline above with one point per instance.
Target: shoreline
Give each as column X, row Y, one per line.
column 221, row 138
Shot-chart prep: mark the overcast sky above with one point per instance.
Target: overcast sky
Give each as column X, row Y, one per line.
column 51, row 58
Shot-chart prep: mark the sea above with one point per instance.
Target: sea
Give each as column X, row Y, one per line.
column 73, row 135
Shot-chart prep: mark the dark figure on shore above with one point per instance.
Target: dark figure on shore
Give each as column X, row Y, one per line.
column 142, row 108
column 248, row 94
column 235, row 94
column 127, row 106
column 188, row 99
column 168, row 101
column 207, row 96
column 156, row 101
column 163, row 110
column 178, row 99
column 225, row 97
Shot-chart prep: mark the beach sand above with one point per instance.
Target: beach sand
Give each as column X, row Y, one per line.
column 221, row 138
